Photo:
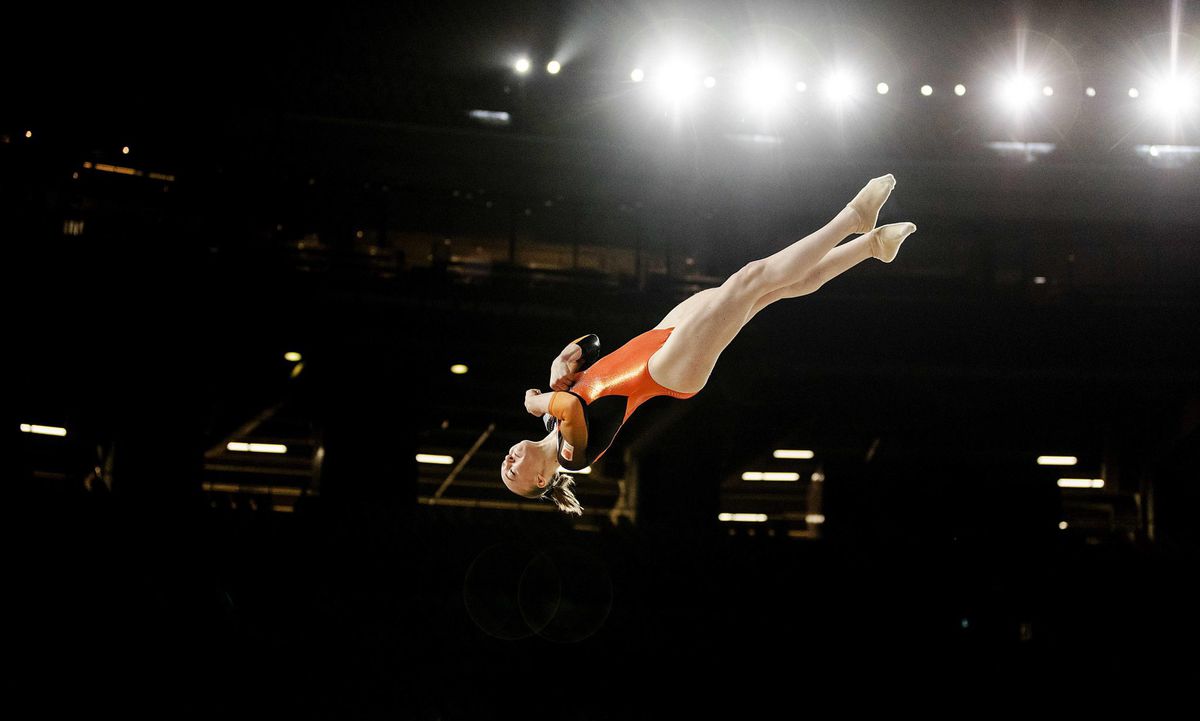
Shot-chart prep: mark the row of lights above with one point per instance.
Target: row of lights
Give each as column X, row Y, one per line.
column 677, row 81
column 29, row 135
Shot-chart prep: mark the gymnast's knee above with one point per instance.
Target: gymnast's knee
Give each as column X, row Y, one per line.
column 749, row 280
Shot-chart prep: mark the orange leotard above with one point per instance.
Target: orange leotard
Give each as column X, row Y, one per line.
column 603, row 397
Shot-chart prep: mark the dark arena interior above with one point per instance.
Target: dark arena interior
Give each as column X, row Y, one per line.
column 281, row 277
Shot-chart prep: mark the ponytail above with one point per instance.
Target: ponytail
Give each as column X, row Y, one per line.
column 559, row 491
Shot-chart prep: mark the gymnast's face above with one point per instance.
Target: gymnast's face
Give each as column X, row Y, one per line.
column 523, row 469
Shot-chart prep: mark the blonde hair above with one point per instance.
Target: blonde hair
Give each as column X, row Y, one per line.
column 559, row 491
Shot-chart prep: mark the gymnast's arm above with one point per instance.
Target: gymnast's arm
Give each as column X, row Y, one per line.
column 537, row 402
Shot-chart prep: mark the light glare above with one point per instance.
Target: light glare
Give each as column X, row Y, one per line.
column 960, row 90
column 256, row 447
column 839, row 87
column 743, row 517
column 882, row 88
column 522, row 65
column 926, row 90
column 553, row 67
column 1081, row 483
column 1057, row 460
column 434, row 459
column 638, row 75
column 785, row 453
column 43, row 430
column 769, row 476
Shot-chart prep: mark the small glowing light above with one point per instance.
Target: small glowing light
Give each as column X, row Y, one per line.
column 1062, row 525
column 256, row 447
column 125, row 150
column 1090, row 92
column 490, row 117
column 882, row 88
column 638, row 75
column 585, row 471
column 283, row 509
column 817, row 477
column 43, row 430
column 247, row 488
column 769, row 476
column 926, row 90
column 710, row 82
column 1133, row 92
column 29, row 133
column 292, row 356
column 960, row 90
column 1153, row 151
column 1081, row 483
column 458, row 369
column 783, row 453
column 743, row 517
column 1057, row 460
column 522, row 65
column 1047, row 91
column 1039, row 280
column 801, row 86
column 553, row 67
column 814, row 518
column 434, row 459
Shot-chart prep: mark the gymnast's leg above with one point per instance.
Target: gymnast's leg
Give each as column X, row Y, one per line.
column 882, row 243
column 686, row 360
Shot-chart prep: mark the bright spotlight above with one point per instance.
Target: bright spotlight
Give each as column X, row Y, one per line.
column 710, row 82
column 764, row 87
column 1047, row 91
column 839, row 87
column 960, row 90
column 1172, row 96
column 1090, row 92
column 926, row 90
column 882, row 88
column 677, row 81
column 553, row 67
column 522, row 66
column 638, row 75
column 1133, row 92
column 801, row 86
column 1018, row 93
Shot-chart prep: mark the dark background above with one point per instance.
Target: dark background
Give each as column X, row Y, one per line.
column 320, row 188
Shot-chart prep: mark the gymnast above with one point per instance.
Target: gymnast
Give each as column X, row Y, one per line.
column 592, row 397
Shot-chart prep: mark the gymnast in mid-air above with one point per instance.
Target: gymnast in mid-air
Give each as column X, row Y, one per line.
column 592, row 397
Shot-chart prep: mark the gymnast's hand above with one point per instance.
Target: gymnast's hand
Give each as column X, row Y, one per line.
column 562, row 373
column 532, row 402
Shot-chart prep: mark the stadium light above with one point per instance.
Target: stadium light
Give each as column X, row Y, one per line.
column 522, row 65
